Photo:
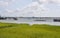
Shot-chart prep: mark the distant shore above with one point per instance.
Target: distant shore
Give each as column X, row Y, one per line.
column 30, row 22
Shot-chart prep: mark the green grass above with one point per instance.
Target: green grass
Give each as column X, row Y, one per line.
column 10, row 30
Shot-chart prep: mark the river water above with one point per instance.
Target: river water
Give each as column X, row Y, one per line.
column 30, row 21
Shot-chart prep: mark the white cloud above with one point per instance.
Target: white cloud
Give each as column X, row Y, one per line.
column 12, row 13
column 9, row 11
column 47, row 1
column 56, row 1
column 43, row 1
column 6, row 2
column 35, row 9
column 2, row 3
column 9, row 0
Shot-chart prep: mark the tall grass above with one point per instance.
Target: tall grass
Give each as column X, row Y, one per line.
column 11, row 30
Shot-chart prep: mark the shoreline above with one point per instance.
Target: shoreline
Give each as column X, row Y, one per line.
column 30, row 22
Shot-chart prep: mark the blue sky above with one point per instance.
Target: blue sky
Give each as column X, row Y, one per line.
column 11, row 7
column 19, row 4
column 15, row 4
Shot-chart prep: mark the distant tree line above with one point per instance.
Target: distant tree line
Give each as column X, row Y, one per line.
column 4, row 18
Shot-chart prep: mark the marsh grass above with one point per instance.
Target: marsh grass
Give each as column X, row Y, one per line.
column 11, row 30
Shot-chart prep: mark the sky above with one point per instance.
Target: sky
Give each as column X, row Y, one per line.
column 12, row 8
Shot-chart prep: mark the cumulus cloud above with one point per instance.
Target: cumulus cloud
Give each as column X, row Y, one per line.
column 6, row 2
column 2, row 3
column 46, row 9
column 9, row 0
column 47, row 1
column 33, row 9
column 56, row 1
column 9, row 11
column 12, row 13
column 37, row 8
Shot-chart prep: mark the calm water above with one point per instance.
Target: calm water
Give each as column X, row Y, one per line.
column 30, row 21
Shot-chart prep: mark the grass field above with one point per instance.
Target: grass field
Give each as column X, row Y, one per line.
column 10, row 30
